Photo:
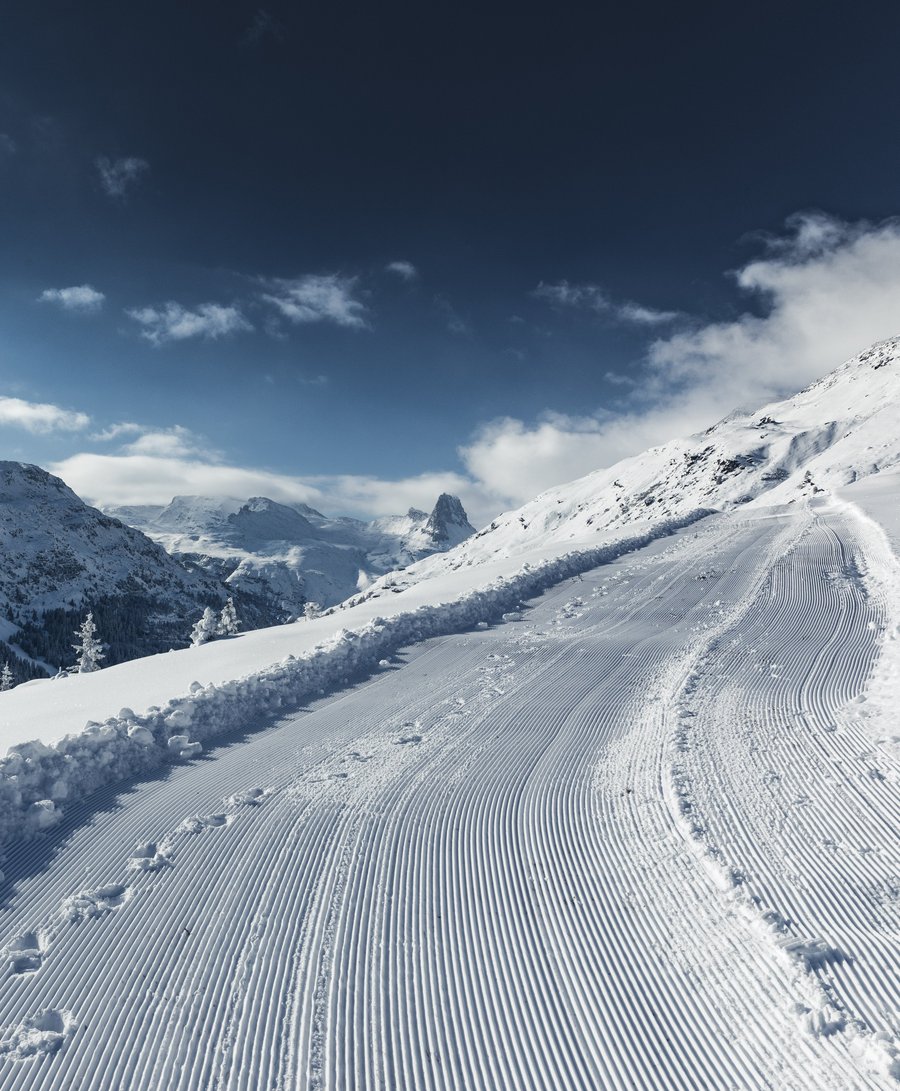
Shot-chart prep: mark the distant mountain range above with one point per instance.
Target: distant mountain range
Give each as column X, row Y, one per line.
column 292, row 553
column 147, row 573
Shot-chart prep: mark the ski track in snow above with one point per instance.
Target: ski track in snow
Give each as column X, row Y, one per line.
column 628, row 839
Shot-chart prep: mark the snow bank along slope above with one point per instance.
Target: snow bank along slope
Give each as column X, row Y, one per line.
column 46, row 767
column 628, row 840
column 876, row 499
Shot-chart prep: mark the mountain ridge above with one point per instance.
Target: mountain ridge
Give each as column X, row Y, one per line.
column 293, row 551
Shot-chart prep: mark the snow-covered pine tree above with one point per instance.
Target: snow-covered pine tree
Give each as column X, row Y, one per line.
column 311, row 610
column 88, row 648
column 206, row 628
column 6, row 678
column 228, row 620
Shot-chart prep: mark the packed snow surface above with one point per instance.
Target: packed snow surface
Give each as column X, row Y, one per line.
column 629, row 837
column 598, row 799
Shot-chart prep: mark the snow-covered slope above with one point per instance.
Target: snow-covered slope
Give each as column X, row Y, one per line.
column 292, row 551
column 627, row 840
column 607, row 797
column 840, row 429
column 62, row 558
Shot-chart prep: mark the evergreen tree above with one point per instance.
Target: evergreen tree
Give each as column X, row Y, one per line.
column 6, row 678
column 311, row 610
column 206, row 628
column 88, row 648
column 228, row 620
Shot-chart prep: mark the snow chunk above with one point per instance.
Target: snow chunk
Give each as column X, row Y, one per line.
column 38, row 1035
column 87, row 904
column 183, row 747
column 42, row 814
column 811, row 952
column 141, row 735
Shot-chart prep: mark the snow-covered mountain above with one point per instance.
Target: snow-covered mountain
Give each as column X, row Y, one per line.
column 291, row 551
column 62, row 558
column 841, row 428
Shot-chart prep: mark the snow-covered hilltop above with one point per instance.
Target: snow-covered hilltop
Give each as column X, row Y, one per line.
column 292, row 552
column 841, row 428
column 62, row 557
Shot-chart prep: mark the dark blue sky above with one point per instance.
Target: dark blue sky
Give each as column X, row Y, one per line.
column 258, row 158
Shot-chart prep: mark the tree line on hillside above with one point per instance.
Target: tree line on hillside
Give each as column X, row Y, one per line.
column 119, row 628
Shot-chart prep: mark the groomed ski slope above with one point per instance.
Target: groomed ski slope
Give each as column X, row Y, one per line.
column 638, row 837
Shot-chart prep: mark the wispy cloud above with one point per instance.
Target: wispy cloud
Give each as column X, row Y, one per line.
column 317, row 298
column 564, row 294
column 403, row 269
column 615, row 378
column 81, row 297
column 118, row 175
column 172, row 322
column 454, row 321
column 640, row 315
column 40, row 417
column 264, row 25
column 154, row 464
column 173, row 442
column 594, row 298
column 7, row 145
column 116, row 431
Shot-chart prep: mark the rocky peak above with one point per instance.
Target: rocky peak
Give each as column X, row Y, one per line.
column 448, row 521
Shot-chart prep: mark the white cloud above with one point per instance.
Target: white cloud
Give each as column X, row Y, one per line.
column 404, row 269
column 172, row 322
column 592, row 297
column 118, row 175
column 828, row 290
column 40, row 417
column 313, row 298
column 809, row 234
column 81, row 297
column 174, row 442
